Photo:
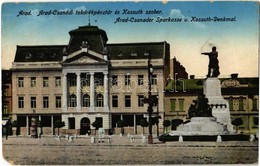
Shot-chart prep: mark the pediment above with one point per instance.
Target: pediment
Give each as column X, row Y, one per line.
column 82, row 57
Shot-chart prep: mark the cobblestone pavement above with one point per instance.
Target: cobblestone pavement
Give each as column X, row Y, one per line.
column 121, row 151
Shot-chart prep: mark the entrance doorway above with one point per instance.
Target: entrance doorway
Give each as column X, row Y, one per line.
column 85, row 126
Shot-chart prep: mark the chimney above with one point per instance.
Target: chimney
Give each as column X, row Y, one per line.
column 234, row 75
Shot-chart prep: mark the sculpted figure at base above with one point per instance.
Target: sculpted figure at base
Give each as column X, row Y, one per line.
column 213, row 68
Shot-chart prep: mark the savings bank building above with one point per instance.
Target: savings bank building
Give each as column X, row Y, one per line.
column 88, row 80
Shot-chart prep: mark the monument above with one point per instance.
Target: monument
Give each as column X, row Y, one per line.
column 209, row 114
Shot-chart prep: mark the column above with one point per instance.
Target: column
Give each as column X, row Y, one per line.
column 92, row 92
column 78, row 93
column 65, row 91
column 134, row 124
column 27, row 125
column 39, row 128
column 106, row 109
column 52, row 125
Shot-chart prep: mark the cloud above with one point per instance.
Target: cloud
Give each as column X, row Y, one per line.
column 178, row 14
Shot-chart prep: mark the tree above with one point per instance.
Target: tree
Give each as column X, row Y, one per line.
column 97, row 124
column 237, row 122
column 59, row 124
column 166, row 123
column 143, row 122
column 121, row 123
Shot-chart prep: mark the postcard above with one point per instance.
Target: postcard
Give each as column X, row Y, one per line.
column 130, row 83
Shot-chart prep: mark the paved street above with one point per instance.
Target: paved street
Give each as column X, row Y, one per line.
column 121, row 151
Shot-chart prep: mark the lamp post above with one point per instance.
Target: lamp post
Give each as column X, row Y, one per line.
column 150, row 101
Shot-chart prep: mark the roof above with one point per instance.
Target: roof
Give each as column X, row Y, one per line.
column 195, row 85
column 136, row 50
column 39, row 53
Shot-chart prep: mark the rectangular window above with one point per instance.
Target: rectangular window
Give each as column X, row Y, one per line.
column 58, row 102
column 72, row 81
column 241, row 104
column 71, row 123
column 140, row 79
column 173, row 105
column 114, row 101
column 33, row 81
column 231, row 104
column 58, row 81
column 127, row 101
column 20, row 82
column 140, row 100
column 254, row 105
column 5, row 109
column 99, row 120
column 20, row 102
column 114, row 80
column 99, row 79
column 45, row 81
column 154, row 79
column 127, row 79
column 85, row 79
column 181, row 104
column 33, row 102
column 45, row 102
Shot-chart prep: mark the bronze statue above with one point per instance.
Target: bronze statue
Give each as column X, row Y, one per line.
column 213, row 68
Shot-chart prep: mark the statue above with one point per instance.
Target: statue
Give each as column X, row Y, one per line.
column 200, row 108
column 213, row 68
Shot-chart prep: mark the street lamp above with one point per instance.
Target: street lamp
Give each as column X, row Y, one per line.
column 150, row 101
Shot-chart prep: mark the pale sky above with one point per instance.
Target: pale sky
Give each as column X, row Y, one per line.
column 236, row 42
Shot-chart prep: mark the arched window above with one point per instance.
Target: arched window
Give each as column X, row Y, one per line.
column 86, row 100
column 73, row 101
column 99, row 101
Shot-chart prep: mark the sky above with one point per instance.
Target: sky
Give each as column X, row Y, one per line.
column 236, row 41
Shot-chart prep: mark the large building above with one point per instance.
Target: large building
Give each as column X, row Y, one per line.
column 6, row 94
column 241, row 94
column 87, row 80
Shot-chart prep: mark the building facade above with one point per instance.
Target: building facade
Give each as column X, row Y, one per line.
column 6, row 94
column 241, row 94
column 87, row 80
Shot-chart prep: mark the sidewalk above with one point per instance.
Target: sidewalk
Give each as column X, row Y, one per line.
column 116, row 140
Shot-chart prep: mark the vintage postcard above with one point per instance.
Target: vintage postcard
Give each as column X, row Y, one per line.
column 130, row 83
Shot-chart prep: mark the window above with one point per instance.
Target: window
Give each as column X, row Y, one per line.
column 5, row 93
column 99, row 120
column 73, row 101
column 33, row 81
column 5, row 109
column 155, row 100
column 72, row 80
column 58, row 102
column 57, row 81
column 154, row 79
column 114, row 80
column 140, row 100
column 114, row 101
column 127, row 79
column 99, row 79
column 99, row 101
column 140, row 79
column 20, row 102
column 45, row 81
column 127, row 101
column 173, row 105
column 45, row 102
column 241, row 104
column 231, row 103
column 181, row 104
column 71, row 123
column 85, row 80
column 20, row 82
column 33, row 102
column 254, row 105
column 86, row 100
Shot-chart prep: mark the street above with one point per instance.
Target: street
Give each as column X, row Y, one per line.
column 121, row 151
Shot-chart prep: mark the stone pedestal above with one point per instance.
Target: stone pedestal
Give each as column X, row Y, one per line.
column 219, row 124
column 220, row 107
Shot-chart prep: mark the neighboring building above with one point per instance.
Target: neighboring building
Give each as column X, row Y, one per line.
column 241, row 93
column 6, row 94
column 85, row 81
column 177, row 71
